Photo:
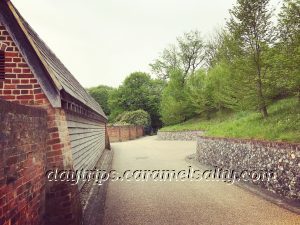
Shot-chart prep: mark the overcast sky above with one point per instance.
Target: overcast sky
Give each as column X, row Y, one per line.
column 103, row 41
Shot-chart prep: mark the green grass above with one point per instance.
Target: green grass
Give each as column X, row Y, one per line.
column 283, row 124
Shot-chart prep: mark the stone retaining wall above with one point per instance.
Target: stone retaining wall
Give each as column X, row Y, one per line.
column 235, row 154
column 179, row 135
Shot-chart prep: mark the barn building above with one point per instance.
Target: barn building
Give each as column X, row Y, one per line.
column 31, row 74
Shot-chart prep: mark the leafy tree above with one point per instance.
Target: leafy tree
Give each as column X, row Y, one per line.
column 187, row 55
column 230, row 75
column 101, row 95
column 213, row 47
column 174, row 106
column 199, row 93
column 167, row 62
column 225, row 96
column 114, row 103
column 287, row 61
column 138, row 117
column 138, row 91
column 250, row 23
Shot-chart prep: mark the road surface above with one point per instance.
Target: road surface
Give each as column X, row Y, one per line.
column 177, row 202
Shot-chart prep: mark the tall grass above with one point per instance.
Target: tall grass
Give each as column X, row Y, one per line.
column 283, row 123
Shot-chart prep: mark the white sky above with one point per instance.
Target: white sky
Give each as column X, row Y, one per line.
column 103, row 41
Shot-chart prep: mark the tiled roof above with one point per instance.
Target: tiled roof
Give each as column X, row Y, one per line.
column 57, row 70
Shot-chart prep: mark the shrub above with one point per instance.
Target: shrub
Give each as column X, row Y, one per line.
column 138, row 117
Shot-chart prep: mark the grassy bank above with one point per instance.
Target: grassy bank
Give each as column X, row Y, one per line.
column 283, row 123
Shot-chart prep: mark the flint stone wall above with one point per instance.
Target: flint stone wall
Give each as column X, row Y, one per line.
column 179, row 135
column 281, row 158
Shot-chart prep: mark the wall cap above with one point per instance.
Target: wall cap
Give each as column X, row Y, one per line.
column 256, row 141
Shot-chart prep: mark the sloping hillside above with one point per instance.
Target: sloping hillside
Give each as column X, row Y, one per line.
column 283, row 123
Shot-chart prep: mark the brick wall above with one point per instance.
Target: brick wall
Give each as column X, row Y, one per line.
column 62, row 199
column 23, row 135
column 133, row 133
column 20, row 84
column 140, row 132
column 113, row 133
column 124, row 133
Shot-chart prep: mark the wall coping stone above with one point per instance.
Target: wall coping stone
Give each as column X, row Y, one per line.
column 15, row 108
column 191, row 135
column 265, row 143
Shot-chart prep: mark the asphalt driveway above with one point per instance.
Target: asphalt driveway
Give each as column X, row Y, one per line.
column 177, row 202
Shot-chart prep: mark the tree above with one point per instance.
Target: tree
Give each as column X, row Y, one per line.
column 250, row 23
column 138, row 91
column 213, row 47
column 174, row 106
column 199, row 93
column 289, row 45
column 101, row 95
column 187, row 55
column 168, row 61
column 138, row 117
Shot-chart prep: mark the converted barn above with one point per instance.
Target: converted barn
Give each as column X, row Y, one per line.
column 31, row 74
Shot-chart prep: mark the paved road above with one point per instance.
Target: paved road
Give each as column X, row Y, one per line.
column 176, row 202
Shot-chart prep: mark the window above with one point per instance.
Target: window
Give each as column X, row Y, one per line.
column 2, row 65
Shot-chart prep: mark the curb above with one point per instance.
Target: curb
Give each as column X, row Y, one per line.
column 93, row 212
column 291, row 205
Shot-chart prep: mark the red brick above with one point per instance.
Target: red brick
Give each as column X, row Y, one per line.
column 24, row 92
column 25, row 97
column 54, row 153
column 16, row 92
column 17, row 70
column 26, row 70
column 24, row 81
column 57, row 147
column 27, row 86
column 10, row 64
column 8, row 97
column 40, row 96
column 25, row 76
column 7, row 92
column 22, row 65
column 9, row 75
column 54, row 135
column 37, row 91
column 10, row 86
column 15, row 81
column 16, row 59
column 53, row 141
column 53, row 129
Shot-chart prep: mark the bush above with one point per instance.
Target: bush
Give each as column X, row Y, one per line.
column 138, row 117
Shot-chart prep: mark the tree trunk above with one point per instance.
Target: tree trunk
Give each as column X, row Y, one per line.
column 261, row 98
column 262, row 103
column 264, row 111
